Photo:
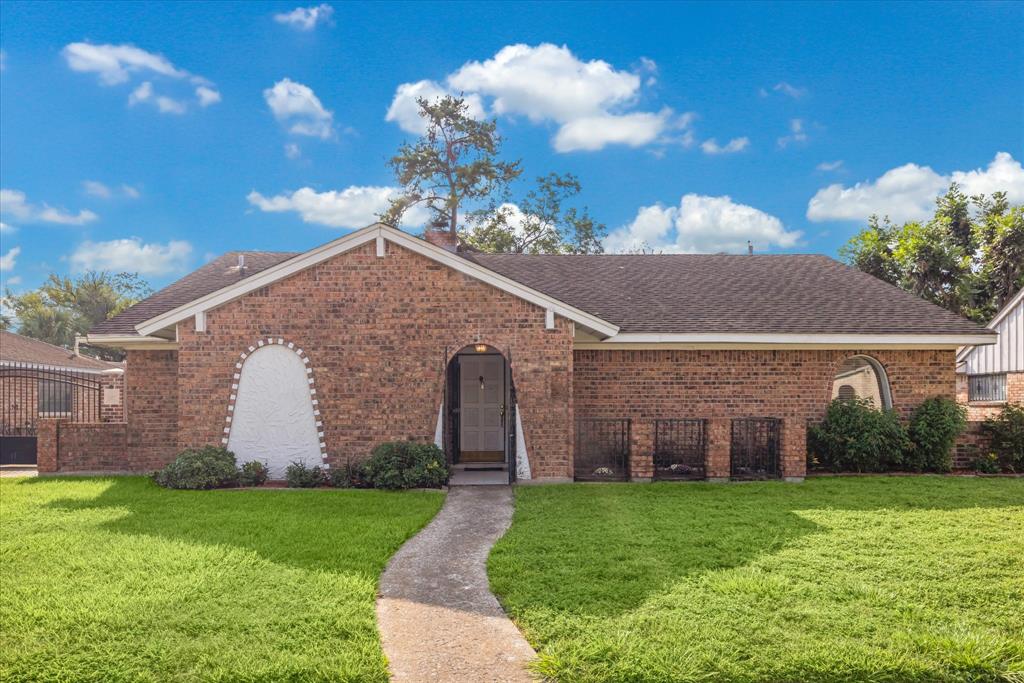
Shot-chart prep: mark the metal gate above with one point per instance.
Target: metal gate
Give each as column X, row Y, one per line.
column 602, row 449
column 754, row 452
column 29, row 392
column 680, row 447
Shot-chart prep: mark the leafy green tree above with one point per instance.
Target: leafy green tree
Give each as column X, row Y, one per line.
column 539, row 223
column 455, row 162
column 455, row 170
column 968, row 258
column 63, row 308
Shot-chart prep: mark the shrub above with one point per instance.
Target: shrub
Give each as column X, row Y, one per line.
column 348, row 476
column 300, row 476
column 934, row 427
column 1007, row 434
column 986, row 464
column 855, row 437
column 404, row 465
column 209, row 467
column 252, row 473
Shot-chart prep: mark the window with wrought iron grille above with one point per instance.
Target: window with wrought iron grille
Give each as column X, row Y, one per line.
column 986, row 388
column 54, row 397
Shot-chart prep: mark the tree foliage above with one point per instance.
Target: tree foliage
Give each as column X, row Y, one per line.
column 456, row 161
column 63, row 307
column 968, row 258
column 455, row 170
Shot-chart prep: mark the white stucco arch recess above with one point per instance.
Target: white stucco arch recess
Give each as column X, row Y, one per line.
column 273, row 412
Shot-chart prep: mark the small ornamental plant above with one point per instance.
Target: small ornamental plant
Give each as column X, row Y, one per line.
column 252, row 473
column 300, row 476
column 405, row 465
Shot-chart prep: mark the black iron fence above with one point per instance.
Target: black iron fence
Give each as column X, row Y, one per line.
column 602, row 449
column 680, row 449
column 29, row 392
column 755, row 448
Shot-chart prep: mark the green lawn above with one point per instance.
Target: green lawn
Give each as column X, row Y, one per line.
column 116, row 579
column 837, row 579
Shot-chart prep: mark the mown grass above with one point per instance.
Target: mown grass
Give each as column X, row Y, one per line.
column 837, row 579
column 118, row 580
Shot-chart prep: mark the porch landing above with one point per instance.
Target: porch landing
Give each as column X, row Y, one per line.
column 479, row 474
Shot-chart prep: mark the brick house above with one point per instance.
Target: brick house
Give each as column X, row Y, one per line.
column 40, row 381
column 539, row 367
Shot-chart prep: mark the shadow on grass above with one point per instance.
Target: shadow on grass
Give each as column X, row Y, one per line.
column 631, row 542
column 352, row 531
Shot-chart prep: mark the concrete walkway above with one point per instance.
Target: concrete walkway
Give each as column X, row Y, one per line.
column 438, row 619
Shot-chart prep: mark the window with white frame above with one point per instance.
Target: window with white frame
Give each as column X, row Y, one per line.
column 986, row 388
column 54, row 397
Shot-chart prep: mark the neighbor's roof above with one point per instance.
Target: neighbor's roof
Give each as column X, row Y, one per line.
column 685, row 293
column 220, row 272
column 15, row 348
column 668, row 294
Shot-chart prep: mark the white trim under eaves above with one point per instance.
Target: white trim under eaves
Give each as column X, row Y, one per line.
column 961, row 355
column 351, row 241
column 132, row 341
column 795, row 340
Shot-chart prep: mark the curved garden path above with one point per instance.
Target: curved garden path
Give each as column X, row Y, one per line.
column 438, row 619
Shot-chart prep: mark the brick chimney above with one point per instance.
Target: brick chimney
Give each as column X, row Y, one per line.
column 441, row 238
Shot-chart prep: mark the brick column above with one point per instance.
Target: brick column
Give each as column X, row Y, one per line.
column 641, row 451
column 719, row 444
column 47, row 438
column 794, row 449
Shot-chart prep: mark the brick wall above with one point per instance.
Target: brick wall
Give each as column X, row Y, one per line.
column 65, row 446
column 378, row 332
column 112, row 396
column 979, row 412
column 151, row 409
column 795, row 386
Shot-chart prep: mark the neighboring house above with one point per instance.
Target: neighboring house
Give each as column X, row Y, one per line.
column 40, row 380
column 989, row 377
column 548, row 367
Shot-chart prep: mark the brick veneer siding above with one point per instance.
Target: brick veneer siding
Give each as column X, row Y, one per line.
column 983, row 411
column 378, row 332
column 720, row 385
column 112, row 397
column 67, row 447
column 151, row 407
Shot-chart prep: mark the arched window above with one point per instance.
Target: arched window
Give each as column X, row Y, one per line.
column 863, row 377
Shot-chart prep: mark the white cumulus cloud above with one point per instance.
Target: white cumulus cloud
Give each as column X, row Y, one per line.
column 118, row 64
column 735, row 145
column 297, row 106
column 6, row 229
column 830, row 165
column 95, row 188
column 702, row 224
column 15, row 203
column 908, row 192
column 797, row 133
column 9, row 260
column 305, row 18
column 352, row 208
column 591, row 102
column 404, row 109
column 132, row 254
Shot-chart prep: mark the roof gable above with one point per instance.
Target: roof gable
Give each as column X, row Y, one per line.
column 379, row 233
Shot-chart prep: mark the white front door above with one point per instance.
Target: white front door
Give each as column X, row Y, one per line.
column 481, row 398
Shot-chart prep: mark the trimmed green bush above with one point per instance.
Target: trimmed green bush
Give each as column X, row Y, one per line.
column 1007, row 434
column 252, row 473
column 855, row 437
column 934, row 427
column 299, row 476
column 209, row 467
column 405, row 465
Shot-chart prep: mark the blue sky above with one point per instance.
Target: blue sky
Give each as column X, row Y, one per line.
column 150, row 136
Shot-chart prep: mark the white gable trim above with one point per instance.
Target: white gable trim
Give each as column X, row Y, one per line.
column 1017, row 300
column 725, row 340
column 356, row 239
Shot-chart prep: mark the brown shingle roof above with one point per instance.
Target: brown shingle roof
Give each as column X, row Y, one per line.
column 694, row 293
column 19, row 349
column 218, row 273
column 666, row 293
